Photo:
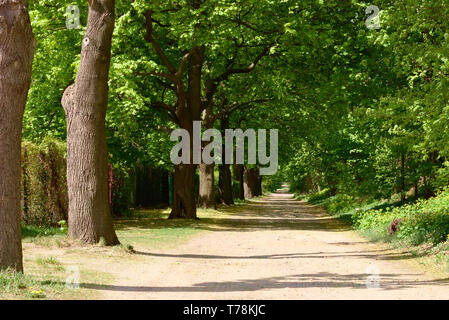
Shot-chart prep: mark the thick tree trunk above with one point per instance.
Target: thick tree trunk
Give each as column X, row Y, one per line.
column 238, row 176
column 225, row 177
column 17, row 45
column 184, row 204
column 258, row 184
column 252, row 182
column 85, row 105
column 225, row 184
column 206, row 197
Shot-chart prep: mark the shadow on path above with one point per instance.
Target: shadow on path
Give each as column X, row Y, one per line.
column 314, row 280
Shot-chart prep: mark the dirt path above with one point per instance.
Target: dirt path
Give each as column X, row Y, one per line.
column 278, row 249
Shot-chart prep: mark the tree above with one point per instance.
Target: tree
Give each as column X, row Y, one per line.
column 85, row 104
column 243, row 45
column 17, row 45
column 224, row 170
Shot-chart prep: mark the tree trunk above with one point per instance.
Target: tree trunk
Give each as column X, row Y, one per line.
column 251, row 183
column 238, row 176
column 225, row 178
column 206, row 197
column 225, row 185
column 258, row 184
column 17, row 45
column 184, row 204
column 85, row 105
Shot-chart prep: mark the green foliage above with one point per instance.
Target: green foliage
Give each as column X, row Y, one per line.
column 317, row 197
column 16, row 285
column 362, row 113
column 422, row 221
column 30, row 231
column 44, row 186
column 339, row 203
column 273, row 182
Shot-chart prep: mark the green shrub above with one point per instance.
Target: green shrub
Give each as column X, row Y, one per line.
column 44, row 185
column 422, row 221
column 315, row 198
column 29, row 231
column 339, row 203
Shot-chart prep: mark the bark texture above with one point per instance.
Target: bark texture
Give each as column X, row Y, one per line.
column 17, row 46
column 225, row 177
column 225, row 184
column 238, row 176
column 188, row 109
column 85, row 105
column 206, row 196
column 252, row 183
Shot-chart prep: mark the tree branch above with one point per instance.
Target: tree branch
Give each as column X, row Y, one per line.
column 212, row 84
column 150, row 39
column 236, row 106
column 171, row 111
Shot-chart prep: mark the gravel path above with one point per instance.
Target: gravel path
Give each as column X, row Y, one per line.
column 277, row 249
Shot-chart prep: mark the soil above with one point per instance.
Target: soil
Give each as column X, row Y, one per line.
column 277, row 248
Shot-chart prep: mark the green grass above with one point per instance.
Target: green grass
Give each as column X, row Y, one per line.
column 34, row 231
column 424, row 230
column 48, row 252
column 151, row 227
column 50, row 262
column 14, row 285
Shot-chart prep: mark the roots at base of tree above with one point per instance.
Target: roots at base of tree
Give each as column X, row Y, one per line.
column 180, row 215
column 183, row 209
column 92, row 241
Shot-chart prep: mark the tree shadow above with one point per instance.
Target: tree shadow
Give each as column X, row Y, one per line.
column 379, row 254
column 268, row 213
column 360, row 281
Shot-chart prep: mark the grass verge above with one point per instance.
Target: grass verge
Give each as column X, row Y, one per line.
column 423, row 229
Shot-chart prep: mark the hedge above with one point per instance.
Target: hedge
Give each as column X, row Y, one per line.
column 44, row 185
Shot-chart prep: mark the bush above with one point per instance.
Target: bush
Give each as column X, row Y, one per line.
column 315, row 198
column 423, row 221
column 339, row 203
column 44, row 185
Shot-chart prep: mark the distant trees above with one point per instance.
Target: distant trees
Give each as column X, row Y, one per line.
column 17, row 45
column 375, row 119
column 239, row 42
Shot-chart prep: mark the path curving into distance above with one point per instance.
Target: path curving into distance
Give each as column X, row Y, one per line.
column 277, row 248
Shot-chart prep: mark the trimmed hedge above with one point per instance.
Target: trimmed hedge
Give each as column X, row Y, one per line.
column 44, row 184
